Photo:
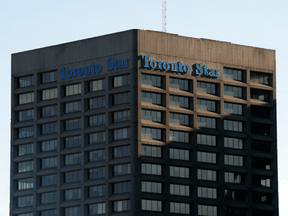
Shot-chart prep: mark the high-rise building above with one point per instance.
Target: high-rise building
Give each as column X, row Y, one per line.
column 144, row 123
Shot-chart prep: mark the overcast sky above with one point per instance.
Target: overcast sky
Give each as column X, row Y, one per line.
column 26, row 25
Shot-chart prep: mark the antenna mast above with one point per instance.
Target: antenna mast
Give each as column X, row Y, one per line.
column 164, row 16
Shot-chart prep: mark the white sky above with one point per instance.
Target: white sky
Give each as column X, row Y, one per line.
column 26, row 25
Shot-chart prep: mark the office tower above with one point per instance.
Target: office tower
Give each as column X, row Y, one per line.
column 142, row 122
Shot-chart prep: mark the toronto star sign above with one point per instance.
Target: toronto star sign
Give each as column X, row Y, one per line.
column 114, row 64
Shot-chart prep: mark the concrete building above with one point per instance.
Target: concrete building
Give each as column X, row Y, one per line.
column 144, row 123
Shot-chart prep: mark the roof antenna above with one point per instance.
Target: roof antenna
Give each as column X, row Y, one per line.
column 164, row 16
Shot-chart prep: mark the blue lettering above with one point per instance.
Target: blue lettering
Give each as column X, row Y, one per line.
column 110, row 64
column 218, row 71
column 199, row 69
column 174, row 67
column 86, row 70
column 153, row 64
column 74, row 72
column 146, row 58
column 92, row 68
column 98, row 68
column 69, row 74
column 126, row 65
column 206, row 70
column 159, row 65
column 180, row 66
column 115, row 62
column 62, row 70
column 80, row 73
column 186, row 68
column 120, row 64
column 212, row 72
column 165, row 65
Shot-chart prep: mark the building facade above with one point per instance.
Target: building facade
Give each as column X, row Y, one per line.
column 144, row 123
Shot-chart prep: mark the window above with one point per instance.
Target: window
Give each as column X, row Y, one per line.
column 151, row 187
column 260, row 111
column 97, row 209
column 73, row 159
column 26, row 81
column 233, row 125
column 233, row 160
column 233, row 91
column 151, row 169
column 97, row 120
column 49, row 111
column 122, row 151
column 73, row 89
column 52, row 212
column 180, row 172
column 179, row 101
column 72, row 194
column 205, row 210
column 206, row 157
column 48, row 180
column 24, row 184
column 121, row 206
column 177, row 118
column 234, row 74
column 48, row 197
column 151, row 205
column 71, row 142
column 206, row 122
column 151, row 80
column 97, row 155
column 121, row 169
column 257, row 145
column 208, row 175
column 205, row 139
column 49, row 128
column 179, row 154
column 97, row 102
column 178, row 136
column 96, row 138
column 262, row 78
column 232, row 108
column 73, row 107
column 179, row 208
column 151, row 115
column 120, row 134
column 206, row 105
column 97, row 191
column 235, row 178
column 25, row 201
column 49, row 145
column 75, row 211
column 96, row 173
column 121, row 80
column 97, row 85
column 179, row 84
column 260, row 129
column 49, row 94
column 233, row 143
column 264, row 181
column 49, row 77
column 26, row 115
column 151, row 133
column 121, row 98
column 121, row 187
column 26, row 98
column 73, row 124
column 47, row 163
column 154, row 98
column 74, row 176
column 27, row 214
column 26, row 149
column 25, row 166
column 262, row 95
column 205, row 192
column 236, row 195
column 151, row 151
column 180, row 190
column 121, row 116
column 209, row 88
column 237, row 211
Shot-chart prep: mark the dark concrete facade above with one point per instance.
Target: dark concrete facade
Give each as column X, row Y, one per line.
column 256, row 199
